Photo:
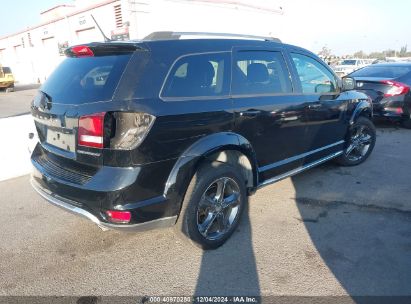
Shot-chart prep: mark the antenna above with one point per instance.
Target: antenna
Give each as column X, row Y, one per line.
column 106, row 39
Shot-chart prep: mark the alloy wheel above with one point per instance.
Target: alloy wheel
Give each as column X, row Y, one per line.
column 359, row 143
column 218, row 208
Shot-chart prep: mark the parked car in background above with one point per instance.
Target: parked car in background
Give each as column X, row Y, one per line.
column 6, row 79
column 388, row 85
column 349, row 65
column 368, row 61
column 379, row 61
column 133, row 137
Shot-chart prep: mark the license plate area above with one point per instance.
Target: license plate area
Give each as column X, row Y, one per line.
column 56, row 131
column 62, row 139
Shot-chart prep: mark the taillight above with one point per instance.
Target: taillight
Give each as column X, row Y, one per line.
column 80, row 51
column 91, row 130
column 396, row 110
column 130, row 130
column 118, row 216
column 397, row 88
column 114, row 130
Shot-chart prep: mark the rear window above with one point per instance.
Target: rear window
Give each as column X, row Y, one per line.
column 382, row 71
column 260, row 72
column 87, row 79
column 199, row 75
column 6, row 70
column 349, row 62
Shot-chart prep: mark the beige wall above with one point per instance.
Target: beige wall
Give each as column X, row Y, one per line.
column 36, row 60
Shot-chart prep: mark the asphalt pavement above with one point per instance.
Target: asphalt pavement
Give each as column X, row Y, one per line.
column 328, row 231
column 17, row 102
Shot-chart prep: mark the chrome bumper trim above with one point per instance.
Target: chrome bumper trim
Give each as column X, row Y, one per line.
column 63, row 203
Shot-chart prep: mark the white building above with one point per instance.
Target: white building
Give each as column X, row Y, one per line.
column 34, row 52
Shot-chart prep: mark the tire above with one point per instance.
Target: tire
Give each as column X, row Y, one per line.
column 406, row 123
column 360, row 142
column 10, row 89
column 203, row 218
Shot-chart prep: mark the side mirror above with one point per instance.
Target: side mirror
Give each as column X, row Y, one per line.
column 348, row 84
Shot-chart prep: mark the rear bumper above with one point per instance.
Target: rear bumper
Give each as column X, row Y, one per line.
column 69, row 206
column 6, row 84
column 90, row 193
column 393, row 109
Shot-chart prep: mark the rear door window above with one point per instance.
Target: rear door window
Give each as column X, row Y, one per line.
column 199, row 75
column 315, row 78
column 260, row 72
column 87, row 79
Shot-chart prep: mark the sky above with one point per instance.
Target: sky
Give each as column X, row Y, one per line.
column 343, row 26
column 17, row 15
column 348, row 26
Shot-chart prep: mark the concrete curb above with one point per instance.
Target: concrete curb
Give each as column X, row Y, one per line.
column 16, row 146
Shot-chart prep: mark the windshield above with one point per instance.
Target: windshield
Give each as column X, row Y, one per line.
column 382, row 71
column 87, row 79
column 348, row 62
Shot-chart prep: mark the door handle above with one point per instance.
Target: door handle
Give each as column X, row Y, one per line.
column 250, row 113
column 314, row 106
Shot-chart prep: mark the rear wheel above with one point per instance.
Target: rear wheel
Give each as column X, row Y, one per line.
column 213, row 205
column 359, row 143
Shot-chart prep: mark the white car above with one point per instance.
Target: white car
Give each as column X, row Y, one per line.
column 349, row 65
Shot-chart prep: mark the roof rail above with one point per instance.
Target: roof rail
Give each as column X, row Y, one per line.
column 166, row 35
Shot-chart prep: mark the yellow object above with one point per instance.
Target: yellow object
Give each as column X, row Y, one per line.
column 6, row 78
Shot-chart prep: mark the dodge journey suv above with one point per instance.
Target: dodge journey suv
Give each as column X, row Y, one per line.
column 171, row 131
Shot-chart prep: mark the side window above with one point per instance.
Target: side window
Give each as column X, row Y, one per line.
column 260, row 72
column 199, row 75
column 314, row 77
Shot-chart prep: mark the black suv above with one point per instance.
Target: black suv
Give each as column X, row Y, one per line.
column 152, row 133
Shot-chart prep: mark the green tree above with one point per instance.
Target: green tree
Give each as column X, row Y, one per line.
column 360, row 54
column 403, row 51
column 377, row 55
column 390, row 53
column 325, row 52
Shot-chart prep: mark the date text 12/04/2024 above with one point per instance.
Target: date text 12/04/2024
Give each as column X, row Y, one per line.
column 201, row 299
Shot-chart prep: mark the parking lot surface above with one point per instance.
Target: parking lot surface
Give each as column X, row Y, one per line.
column 328, row 231
column 18, row 102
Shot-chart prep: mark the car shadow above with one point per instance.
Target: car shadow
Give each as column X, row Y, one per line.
column 366, row 246
column 383, row 123
column 231, row 269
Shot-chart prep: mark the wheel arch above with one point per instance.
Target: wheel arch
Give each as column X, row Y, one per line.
column 363, row 108
column 224, row 147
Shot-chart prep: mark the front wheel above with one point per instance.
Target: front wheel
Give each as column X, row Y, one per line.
column 213, row 205
column 360, row 142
